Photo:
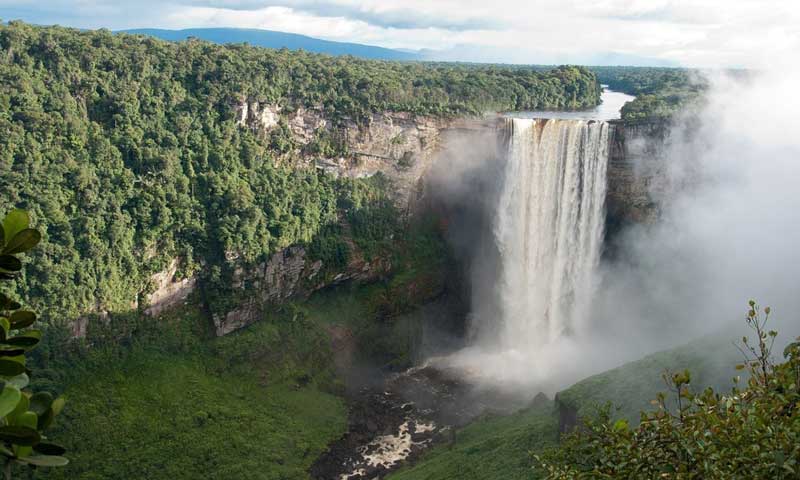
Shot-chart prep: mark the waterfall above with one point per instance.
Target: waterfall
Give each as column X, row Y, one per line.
column 549, row 228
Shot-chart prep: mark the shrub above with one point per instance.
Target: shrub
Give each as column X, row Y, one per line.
column 23, row 415
column 752, row 432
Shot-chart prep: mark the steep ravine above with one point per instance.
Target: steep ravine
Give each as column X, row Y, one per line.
column 403, row 148
column 394, row 421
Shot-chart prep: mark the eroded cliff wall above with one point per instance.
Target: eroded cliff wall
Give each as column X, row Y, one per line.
column 636, row 164
column 402, row 147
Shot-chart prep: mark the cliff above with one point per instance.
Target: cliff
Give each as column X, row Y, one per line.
column 402, row 147
column 399, row 145
column 635, row 166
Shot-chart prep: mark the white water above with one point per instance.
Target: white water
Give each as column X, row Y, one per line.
column 549, row 228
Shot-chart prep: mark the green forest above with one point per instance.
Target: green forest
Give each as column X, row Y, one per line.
column 660, row 92
column 126, row 152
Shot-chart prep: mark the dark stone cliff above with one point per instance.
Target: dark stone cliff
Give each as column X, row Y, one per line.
column 635, row 167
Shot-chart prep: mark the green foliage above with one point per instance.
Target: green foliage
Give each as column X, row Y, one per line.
column 23, row 415
column 366, row 217
column 331, row 247
column 126, row 150
column 160, row 399
column 660, row 92
column 752, row 432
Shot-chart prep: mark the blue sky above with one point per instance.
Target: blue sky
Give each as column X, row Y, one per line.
column 704, row 33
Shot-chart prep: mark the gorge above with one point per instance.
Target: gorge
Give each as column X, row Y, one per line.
column 264, row 249
column 548, row 210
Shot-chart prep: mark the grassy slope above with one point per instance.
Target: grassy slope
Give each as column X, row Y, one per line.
column 631, row 387
column 170, row 418
column 490, row 448
column 250, row 406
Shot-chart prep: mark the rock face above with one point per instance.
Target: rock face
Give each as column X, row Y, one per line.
column 635, row 169
column 567, row 416
column 401, row 146
column 259, row 117
column 271, row 282
column 169, row 291
column 287, row 274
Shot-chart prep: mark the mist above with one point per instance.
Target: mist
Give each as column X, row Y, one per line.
column 728, row 232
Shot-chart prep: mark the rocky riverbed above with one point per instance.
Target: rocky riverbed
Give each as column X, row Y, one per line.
column 393, row 423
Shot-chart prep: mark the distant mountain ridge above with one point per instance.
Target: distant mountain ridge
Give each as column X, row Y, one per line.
column 273, row 39
column 461, row 53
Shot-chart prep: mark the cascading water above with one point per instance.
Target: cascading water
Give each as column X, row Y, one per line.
column 549, row 228
column 530, row 310
column 540, row 251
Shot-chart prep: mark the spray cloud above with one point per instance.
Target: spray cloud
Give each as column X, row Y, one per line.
column 729, row 230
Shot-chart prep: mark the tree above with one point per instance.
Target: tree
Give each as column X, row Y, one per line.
column 749, row 433
column 23, row 415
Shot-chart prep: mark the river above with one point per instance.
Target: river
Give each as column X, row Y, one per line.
column 609, row 109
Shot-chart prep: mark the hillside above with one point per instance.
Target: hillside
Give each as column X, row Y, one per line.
column 276, row 40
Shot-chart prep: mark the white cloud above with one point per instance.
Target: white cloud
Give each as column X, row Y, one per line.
column 691, row 32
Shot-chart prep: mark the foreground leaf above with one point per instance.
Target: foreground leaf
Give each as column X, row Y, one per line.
column 58, row 405
column 11, row 368
column 10, row 263
column 9, row 399
column 45, row 460
column 22, row 319
column 41, row 402
column 23, row 241
column 49, row 449
column 20, row 381
column 31, row 338
column 15, row 222
column 7, row 303
column 19, row 435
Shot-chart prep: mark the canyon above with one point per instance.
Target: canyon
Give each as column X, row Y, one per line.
column 403, row 148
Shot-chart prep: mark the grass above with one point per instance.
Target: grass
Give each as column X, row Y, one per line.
column 254, row 405
column 167, row 418
column 631, row 387
column 492, row 447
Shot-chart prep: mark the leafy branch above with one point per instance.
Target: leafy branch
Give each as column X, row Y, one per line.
column 23, row 415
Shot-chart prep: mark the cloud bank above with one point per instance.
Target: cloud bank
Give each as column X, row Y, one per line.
column 729, row 232
column 703, row 33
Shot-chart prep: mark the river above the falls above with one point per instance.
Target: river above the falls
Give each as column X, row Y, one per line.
column 609, row 109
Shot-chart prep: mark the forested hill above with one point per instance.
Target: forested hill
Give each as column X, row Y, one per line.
column 660, row 92
column 271, row 39
column 127, row 152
